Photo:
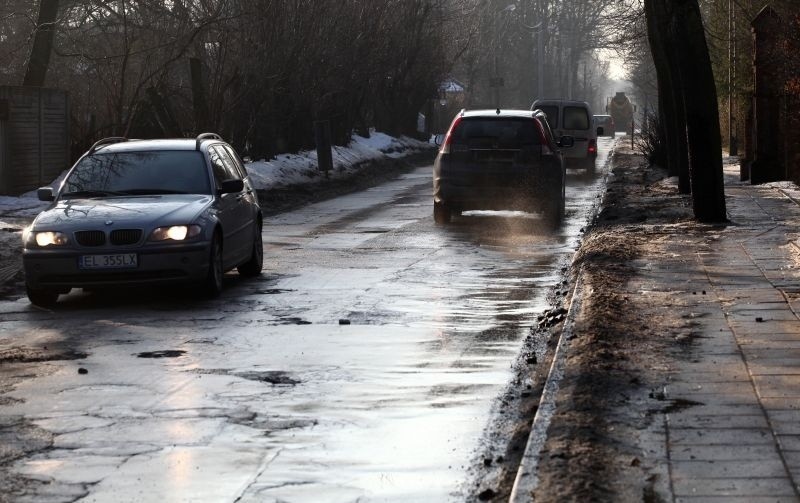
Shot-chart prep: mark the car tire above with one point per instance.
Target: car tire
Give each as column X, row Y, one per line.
column 442, row 214
column 42, row 297
column 212, row 286
column 255, row 263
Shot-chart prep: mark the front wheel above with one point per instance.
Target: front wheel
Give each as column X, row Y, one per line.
column 212, row 286
column 42, row 297
column 442, row 215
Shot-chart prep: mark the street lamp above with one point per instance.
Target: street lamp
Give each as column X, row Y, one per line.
column 497, row 82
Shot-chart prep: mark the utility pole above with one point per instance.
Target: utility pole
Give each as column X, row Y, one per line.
column 538, row 32
column 540, row 62
column 497, row 82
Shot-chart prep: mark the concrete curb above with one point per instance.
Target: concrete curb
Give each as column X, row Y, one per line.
column 526, row 480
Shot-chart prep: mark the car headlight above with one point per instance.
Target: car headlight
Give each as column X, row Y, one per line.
column 44, row 239
column 175, row 233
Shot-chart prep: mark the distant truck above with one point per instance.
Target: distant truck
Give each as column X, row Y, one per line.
column 621, row 110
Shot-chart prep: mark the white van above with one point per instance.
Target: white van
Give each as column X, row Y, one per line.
column 573, row 118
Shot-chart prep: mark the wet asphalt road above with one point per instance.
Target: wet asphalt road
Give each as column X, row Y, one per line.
column 264, row 394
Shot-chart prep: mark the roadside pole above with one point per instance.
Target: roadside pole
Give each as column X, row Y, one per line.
column 322, row 138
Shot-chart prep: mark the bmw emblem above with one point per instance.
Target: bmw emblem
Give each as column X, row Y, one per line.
column 109, row 222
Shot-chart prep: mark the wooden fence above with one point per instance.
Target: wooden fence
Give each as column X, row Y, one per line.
column 34, row 137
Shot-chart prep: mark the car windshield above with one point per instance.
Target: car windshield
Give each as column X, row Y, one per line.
column 552, row 114
column 496, row 132
column 138, row 173
column 575, row 118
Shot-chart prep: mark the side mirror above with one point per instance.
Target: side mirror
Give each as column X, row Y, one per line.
column 231, row 186
column 566, row 142
column 438, row 139
column 600, row 131
column 45, row 194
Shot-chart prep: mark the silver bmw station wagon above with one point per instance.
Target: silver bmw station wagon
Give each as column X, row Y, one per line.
column 134, row 212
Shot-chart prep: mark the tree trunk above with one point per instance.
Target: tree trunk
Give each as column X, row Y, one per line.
column 702, row 111
column 42, row 44
column 199, row 102
column 671, row 110
column 686, row 79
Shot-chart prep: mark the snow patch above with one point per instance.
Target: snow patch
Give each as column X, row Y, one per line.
column 301, row 168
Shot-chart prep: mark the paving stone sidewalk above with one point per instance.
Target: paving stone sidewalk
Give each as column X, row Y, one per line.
column 733, row 431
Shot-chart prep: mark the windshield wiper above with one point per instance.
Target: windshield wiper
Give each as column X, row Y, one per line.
column 148, row 192
column 91, row 193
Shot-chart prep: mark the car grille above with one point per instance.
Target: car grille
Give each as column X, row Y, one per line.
column 119, row 237
column 125, row 236
column 90, row 238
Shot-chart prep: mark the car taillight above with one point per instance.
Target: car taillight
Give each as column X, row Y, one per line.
column 449, row 138
column 592, row 146
column 542, row 141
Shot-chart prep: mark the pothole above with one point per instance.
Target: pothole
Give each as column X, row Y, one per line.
column 275, row 377
column 19, row 354
column 168, row 353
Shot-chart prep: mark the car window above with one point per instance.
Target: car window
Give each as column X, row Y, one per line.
column 575, row 118
column 552, row 114
column 223, row 166
column 496, row 132
column 236, row 161
column 139, row 173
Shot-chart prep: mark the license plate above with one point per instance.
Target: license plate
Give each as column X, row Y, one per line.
column 115, row 261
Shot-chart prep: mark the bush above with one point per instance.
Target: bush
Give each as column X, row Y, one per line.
column 651, row 141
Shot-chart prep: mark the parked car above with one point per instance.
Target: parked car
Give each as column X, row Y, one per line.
column 133, row 212
column 573, row 118
column 497, row 160
column 607, row 123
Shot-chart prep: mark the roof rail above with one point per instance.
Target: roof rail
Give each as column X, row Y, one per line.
column 206, row 136
column 107, row 141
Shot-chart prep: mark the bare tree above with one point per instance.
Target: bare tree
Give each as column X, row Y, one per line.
column 42, row 44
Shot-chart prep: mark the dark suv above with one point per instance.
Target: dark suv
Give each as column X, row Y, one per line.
column 500, row 160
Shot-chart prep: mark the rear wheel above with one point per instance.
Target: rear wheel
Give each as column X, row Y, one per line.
column 256, row 262
column 212, row 286
column 43, row 297
column 555, row 209
column 442, row 214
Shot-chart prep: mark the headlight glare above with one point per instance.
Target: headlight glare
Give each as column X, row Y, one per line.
column 48, row 238
column 175, row 233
